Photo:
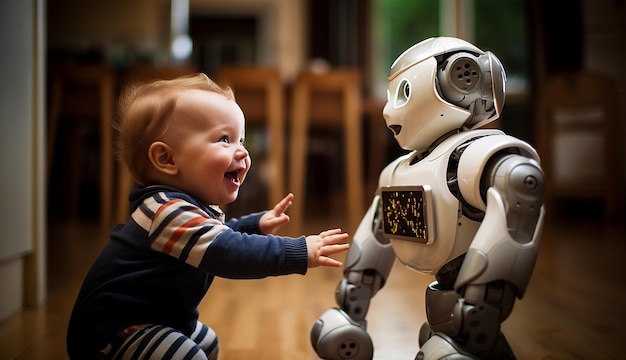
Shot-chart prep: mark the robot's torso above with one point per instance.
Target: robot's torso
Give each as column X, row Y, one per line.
column 449, row 232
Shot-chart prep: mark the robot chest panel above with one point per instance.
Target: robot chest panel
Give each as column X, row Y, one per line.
column 419, row 211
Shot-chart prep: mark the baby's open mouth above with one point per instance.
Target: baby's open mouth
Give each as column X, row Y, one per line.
column 233, row 176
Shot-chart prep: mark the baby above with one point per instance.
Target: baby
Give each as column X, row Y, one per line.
column 183, row 142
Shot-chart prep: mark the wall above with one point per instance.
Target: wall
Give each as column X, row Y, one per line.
column 22, row 246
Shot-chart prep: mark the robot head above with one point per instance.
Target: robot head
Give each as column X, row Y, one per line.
column 441, row 85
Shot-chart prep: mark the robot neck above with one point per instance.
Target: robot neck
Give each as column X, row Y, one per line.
column 425, row 153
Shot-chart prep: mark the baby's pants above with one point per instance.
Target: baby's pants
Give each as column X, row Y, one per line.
column 162, row 342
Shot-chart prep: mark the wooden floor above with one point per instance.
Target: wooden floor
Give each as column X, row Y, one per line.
column 574, row 308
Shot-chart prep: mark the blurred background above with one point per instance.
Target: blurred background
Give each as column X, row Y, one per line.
column 147, row 38
column 321, row 63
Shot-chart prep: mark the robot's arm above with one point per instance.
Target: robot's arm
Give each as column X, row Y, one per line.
column 501, row 175
column 367, row 266
column 340, row 333
column 509, row 186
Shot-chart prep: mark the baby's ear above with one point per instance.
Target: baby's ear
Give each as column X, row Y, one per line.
column 162, row 158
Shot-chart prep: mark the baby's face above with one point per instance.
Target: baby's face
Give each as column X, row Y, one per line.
column 207, row 136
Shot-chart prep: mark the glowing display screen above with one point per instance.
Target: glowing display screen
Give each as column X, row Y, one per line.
column 406, row 213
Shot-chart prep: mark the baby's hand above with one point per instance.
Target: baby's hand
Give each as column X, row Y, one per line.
column 275, row 218
column 326, row 243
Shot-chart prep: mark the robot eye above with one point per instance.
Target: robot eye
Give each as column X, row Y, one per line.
column 407, row 90
column 403, row 93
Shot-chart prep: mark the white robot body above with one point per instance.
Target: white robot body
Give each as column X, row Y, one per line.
column 465, row 205
column 446, row 241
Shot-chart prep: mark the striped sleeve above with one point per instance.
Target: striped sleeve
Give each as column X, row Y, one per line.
column 177, row 227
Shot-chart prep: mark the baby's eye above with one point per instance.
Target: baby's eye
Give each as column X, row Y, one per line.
column 242, row 142
column 224, row 139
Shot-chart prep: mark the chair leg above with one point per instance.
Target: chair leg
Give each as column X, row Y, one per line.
column 298, row 156
column 353, row 160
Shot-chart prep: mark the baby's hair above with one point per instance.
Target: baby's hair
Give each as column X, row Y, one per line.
column 143, row 115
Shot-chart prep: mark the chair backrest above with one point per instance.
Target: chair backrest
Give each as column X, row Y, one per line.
column 329, row 98
column 329, row 90
column 85, row 91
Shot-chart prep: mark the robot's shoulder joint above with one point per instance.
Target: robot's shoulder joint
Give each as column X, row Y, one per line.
column 477, row 155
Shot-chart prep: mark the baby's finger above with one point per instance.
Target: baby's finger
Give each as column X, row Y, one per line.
column 333, row 249
column 326, row 261
column 284, row 204
column 278, row 221
column 334, row 239
column 330, row 232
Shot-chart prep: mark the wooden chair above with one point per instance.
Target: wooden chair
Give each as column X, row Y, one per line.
column 85, row 91
column 578, row 136
column 134, row 74
column 260, row 94
column 332, row 98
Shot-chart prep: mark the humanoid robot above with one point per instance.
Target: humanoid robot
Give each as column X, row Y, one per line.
column 465, row 205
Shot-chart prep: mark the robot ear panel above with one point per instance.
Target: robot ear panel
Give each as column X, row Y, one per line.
column 461, row 77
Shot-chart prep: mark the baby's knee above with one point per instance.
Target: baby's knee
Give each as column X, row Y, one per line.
column 207, row 339
column 214, row 345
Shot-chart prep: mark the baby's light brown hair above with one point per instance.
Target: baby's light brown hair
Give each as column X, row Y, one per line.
column 144, row 113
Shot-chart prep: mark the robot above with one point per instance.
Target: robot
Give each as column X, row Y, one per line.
column 465, row 205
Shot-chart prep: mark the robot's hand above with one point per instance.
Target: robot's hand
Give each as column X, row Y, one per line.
column 336, row 337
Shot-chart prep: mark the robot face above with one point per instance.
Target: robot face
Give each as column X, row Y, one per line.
column 415, row 112
column 440, row 85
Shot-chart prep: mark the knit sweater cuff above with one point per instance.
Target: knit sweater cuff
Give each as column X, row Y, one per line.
column 296, row 255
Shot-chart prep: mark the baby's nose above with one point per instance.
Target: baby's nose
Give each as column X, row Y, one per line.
column 242, row 153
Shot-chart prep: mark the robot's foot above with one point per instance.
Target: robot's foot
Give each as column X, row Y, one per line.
column 336, row 337
column 440, row 346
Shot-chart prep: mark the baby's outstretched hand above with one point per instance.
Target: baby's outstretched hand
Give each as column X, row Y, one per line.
column 276, row 217
column 327, row 243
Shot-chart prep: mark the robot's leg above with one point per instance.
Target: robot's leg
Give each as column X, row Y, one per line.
column 440, row 304
column 438, row 337
column 340, row 333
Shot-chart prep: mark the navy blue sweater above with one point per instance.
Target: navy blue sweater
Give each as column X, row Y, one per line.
column 157, row 267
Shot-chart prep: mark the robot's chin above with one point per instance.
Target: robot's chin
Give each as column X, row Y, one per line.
column 396, row 129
